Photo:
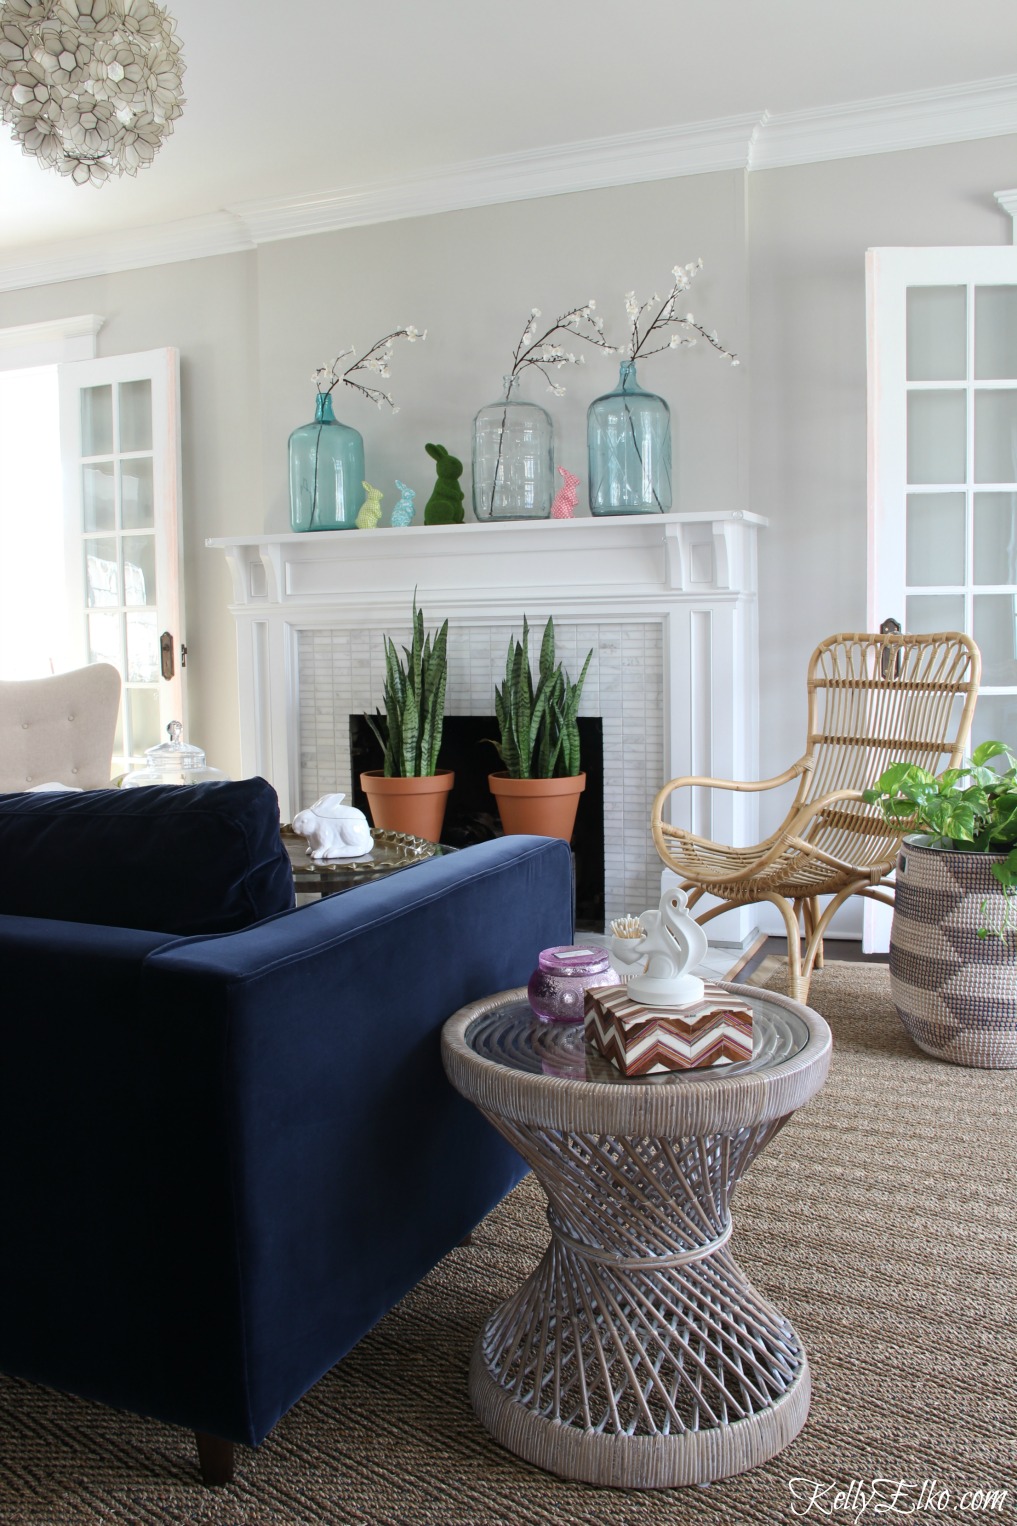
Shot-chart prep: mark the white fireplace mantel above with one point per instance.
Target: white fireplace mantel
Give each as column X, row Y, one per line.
column 668, row 602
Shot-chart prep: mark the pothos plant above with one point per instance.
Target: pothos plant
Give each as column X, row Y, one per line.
column 538, row 723
column 414, row 696
column 970, row 809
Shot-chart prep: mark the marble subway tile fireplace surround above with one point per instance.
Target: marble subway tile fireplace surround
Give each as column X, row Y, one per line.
column 666, row 602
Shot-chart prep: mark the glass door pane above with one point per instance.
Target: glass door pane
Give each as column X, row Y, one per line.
column 98, row 496
column 995, row 631
column 135, row 414
column 97, row 421
column 935, row 539
column 929, row 613
column 995, row 538
column 936, row 333
column 995, row 333
column 995, row 719
column 937, row 437
column 996, row 435
column 137, row 494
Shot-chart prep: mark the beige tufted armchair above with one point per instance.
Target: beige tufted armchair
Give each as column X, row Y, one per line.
column 59, row 730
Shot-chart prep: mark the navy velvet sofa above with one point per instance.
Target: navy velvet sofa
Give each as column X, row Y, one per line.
column 228, row 1152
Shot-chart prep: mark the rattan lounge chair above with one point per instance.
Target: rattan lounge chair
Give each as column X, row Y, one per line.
column 873, row 700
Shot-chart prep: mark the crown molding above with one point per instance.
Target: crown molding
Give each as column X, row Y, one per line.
column 888, row 124
column 695, row 149
column 1008, row 201
column 192, row 238
column 758, row 141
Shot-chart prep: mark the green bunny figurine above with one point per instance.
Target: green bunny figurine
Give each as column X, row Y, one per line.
column 445, row 505
column 370, row 511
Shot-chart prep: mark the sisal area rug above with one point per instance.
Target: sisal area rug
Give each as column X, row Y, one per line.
column 881, row 1220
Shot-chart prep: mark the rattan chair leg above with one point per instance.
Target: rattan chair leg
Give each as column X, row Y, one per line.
column 797, row 987
column 814, row 917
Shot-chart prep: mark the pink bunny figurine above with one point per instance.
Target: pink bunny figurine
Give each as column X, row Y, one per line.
column 566, row 498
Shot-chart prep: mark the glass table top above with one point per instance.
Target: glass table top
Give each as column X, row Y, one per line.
column 510, row 1035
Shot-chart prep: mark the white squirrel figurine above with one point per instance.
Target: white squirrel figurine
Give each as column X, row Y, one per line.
column 669, row 940
column 334, row 830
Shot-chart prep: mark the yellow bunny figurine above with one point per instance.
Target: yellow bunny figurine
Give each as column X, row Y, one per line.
column 370, row 512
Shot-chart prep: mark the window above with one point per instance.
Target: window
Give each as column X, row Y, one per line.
column 34, row 631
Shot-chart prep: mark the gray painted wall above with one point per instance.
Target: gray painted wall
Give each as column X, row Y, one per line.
column 783, row 434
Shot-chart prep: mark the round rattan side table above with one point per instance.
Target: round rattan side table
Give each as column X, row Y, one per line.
column 637, row 1354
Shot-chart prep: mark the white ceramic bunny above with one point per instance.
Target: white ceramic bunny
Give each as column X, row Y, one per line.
column 334, row 830
column 669, row 940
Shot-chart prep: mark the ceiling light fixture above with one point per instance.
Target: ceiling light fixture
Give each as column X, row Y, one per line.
column 90, row 87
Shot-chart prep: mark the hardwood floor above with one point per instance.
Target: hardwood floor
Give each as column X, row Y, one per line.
column 841, row 949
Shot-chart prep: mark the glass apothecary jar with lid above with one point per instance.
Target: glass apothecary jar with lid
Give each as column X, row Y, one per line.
column 173, row 762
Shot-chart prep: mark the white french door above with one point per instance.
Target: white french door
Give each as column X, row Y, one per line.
column 942, row 497
column 120, row 444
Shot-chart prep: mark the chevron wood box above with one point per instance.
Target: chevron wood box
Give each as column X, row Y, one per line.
column 641, row 1041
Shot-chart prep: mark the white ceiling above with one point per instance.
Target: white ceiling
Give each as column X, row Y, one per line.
column 332, row 96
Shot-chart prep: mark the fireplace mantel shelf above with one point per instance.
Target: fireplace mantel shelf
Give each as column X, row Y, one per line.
column 606, row 524
column 605, row 558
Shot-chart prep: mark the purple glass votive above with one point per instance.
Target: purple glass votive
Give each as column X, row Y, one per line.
column 558, row 985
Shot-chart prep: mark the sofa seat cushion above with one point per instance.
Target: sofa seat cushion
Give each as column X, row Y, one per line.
column 206, row 858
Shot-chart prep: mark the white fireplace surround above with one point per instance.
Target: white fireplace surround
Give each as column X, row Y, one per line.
column 666, row 602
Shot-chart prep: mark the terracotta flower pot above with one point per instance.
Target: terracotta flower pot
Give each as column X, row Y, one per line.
column 415, row 805
column 545, row 807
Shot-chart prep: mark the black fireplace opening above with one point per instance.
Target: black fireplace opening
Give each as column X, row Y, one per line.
column 471, row 815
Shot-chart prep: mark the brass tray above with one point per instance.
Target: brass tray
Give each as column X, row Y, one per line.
column 392, row 850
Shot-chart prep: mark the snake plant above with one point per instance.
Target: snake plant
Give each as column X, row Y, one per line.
column 538, row 726
column 414, row 698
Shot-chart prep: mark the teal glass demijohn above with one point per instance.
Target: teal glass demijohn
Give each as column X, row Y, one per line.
column 326, row 472
column 628, row 436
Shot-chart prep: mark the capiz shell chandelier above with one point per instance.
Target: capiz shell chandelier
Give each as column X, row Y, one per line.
column 90, row 87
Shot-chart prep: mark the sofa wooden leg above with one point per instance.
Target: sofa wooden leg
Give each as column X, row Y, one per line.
column 215, row 1458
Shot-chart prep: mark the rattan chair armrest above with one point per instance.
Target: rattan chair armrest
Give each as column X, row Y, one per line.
column 797, row 770
column 799, row 819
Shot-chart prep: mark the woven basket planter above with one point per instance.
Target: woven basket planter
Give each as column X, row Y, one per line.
column 956, row 993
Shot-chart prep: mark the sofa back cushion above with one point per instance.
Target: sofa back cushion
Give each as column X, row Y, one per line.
column 206, row 858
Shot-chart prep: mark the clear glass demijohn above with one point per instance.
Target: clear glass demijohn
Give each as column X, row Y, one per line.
column 173, row 762
column 628, row 434
column 513, row 459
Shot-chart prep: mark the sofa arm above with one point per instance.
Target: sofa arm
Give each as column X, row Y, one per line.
column 306, row 1148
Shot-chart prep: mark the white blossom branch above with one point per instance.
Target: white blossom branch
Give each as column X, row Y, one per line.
column 537, row 350
column 667, row 315
column 374, row 361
